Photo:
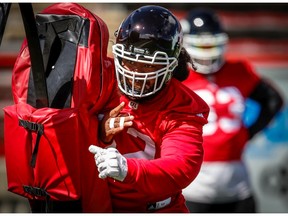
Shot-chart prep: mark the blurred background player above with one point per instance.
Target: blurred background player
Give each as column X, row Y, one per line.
column 223, row 182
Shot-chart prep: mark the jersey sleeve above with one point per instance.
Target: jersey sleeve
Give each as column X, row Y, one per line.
column 181, row 156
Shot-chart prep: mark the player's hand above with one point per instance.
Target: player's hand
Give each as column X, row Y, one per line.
column 110, row 163
column 114, row 122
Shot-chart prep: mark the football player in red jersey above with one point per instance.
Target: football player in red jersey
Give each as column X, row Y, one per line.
column 223, row 184
column 154, row 136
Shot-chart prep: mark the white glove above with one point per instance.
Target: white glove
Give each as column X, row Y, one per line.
column 109, row 162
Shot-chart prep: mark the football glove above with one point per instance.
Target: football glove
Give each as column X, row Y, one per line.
column 110, row 163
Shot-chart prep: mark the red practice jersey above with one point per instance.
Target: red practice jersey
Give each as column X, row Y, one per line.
column 163, row 149
column 225, row 92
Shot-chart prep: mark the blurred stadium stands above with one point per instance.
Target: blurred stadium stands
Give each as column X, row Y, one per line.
column 257, row 31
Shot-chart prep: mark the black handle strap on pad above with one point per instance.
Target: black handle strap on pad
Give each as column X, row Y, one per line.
column 39, row 192
column 35, row 55
column 39, row 128
column 4, row 12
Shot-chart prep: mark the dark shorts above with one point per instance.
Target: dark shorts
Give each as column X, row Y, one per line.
column 44, row 206
column 243, row 206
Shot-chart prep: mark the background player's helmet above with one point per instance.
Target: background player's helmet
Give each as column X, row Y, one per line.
column 151, row 35
column 204, row 39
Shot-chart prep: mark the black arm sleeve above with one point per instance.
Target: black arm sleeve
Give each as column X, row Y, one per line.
column 270, row 102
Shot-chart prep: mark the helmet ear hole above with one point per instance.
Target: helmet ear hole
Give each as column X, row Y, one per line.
column 205, row 39
column 116, row 33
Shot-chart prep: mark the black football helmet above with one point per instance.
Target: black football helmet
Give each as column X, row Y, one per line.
column 204, row 39
column 150, row 35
